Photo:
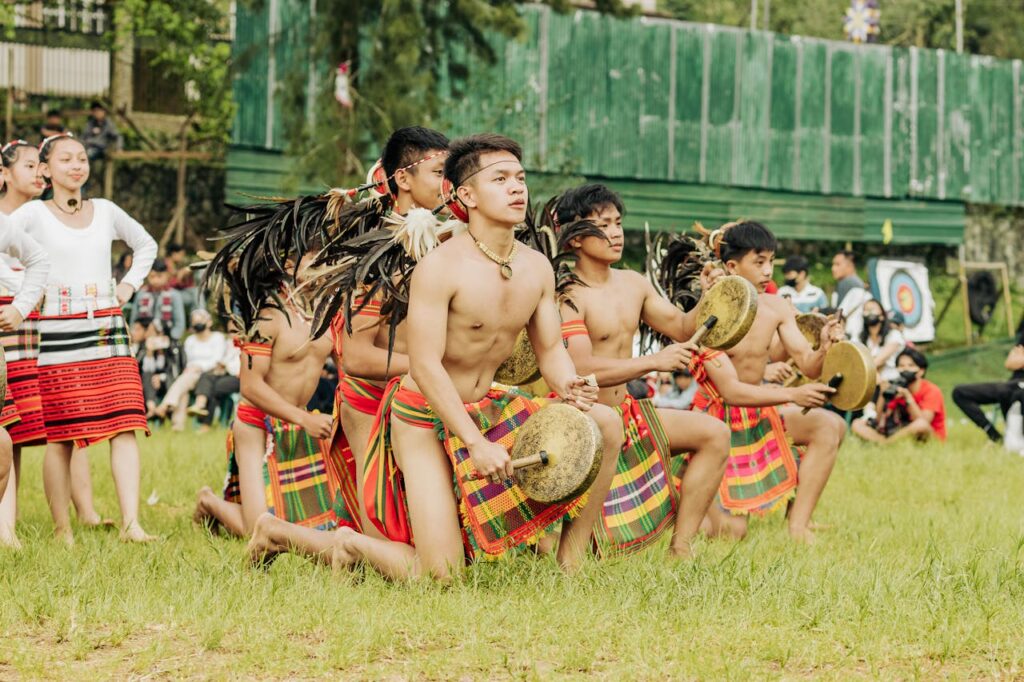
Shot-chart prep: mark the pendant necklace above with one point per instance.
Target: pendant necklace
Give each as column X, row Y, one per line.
column 505, row 263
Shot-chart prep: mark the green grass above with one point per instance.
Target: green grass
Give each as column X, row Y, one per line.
column 923, row 576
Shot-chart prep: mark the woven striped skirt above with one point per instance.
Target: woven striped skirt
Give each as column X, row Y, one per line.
column 23, row 408
column 90, row 384
column 307, row 482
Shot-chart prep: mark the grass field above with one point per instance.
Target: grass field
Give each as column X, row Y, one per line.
column 922, row 576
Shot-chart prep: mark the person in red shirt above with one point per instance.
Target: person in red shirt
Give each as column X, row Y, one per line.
column 915, row 408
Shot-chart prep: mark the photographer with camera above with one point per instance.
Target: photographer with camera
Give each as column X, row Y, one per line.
column 909, row 405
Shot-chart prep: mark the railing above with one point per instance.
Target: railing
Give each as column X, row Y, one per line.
column 76, row 16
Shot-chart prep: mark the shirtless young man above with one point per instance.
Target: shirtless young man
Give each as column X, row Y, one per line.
column 734, row 379
column 611, row 304
column 279, row 373
column 469, row 299
column 414, row 160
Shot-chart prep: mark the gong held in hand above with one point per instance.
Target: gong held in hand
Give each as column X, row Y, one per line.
column 849, row 369
column 732, row 302
column 520, row 368
column 557, row 454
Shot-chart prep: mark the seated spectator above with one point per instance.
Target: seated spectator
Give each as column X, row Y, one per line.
column 899, row 323
column 806, row 297
column 156, row 365
column 100, row 135
column 681, row 389
column 53, row 124
column 156, row 300
column 182, row 276
column 908, row 406
column 850, row 293
column 216, row 385
column 970, row 397
column 204, row 350
column 883, row 341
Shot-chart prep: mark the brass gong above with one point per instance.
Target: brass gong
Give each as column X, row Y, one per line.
column 520, row 368
column 733, row 301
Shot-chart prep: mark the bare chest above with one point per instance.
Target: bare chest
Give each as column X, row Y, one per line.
column 612, row 316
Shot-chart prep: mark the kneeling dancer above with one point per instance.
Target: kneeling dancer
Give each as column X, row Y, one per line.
column 603, row 309
column 469, row 299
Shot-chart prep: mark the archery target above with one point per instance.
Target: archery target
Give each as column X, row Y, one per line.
column 903, row 286
column 906, row 297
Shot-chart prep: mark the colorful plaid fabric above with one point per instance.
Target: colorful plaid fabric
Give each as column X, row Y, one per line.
column 642, row 500
column 761, row 474
column 307, row 481
column 498, row 516
column 359, row 394
column 383, row 486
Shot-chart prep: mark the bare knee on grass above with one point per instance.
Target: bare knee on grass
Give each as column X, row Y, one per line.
column 433, row 513
column 250, row 447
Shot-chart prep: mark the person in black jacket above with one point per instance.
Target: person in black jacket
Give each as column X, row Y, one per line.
column 970, row 397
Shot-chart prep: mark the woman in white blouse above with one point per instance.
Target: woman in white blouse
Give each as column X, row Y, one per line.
column 88, row 379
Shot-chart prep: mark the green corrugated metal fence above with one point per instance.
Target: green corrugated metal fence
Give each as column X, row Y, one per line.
column 830, row 139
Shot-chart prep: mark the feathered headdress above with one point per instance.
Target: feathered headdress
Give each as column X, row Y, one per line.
column 353, row 270
column 554, row 240
column 261, row 252
column 674, row 263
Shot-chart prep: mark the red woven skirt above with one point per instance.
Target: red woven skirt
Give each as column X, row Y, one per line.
column 92, row 401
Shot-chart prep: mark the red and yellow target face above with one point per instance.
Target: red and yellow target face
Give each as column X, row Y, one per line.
column 905, row 296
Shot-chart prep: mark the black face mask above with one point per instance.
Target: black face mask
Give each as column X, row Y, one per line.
column 871, row 320
column 200, row 327
column 790, row 282
column 908, row 375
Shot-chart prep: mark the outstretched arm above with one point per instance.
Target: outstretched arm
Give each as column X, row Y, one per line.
column 741, row 394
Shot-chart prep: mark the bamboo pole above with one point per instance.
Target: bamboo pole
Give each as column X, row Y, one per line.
column 1007, row 299
column 968, row 335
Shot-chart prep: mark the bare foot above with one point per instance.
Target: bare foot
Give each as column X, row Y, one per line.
column 681, row 550
column 342, row 556
column 98, row 522
column 9, row 539
column 65, row 535
column 814, row 526
column 262, row 548
column 802, row 535
column 202, row 516
column 133, row 532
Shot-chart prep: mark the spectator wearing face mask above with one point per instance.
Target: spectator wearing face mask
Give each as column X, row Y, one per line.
column 204, row 350
column 806, row 297
column 910, row 406
column 884, row 342
column 681, row 389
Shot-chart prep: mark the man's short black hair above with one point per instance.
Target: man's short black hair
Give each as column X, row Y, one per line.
column 96, row 104
column 464, row 154
column 409, row 145
column 580, row 202
column 682, row 373
column 915, row 355
column 796, row 264
column 849, row 255
column 743, row 237
column 174, row 247
column 159, row 265
column 54, row 112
